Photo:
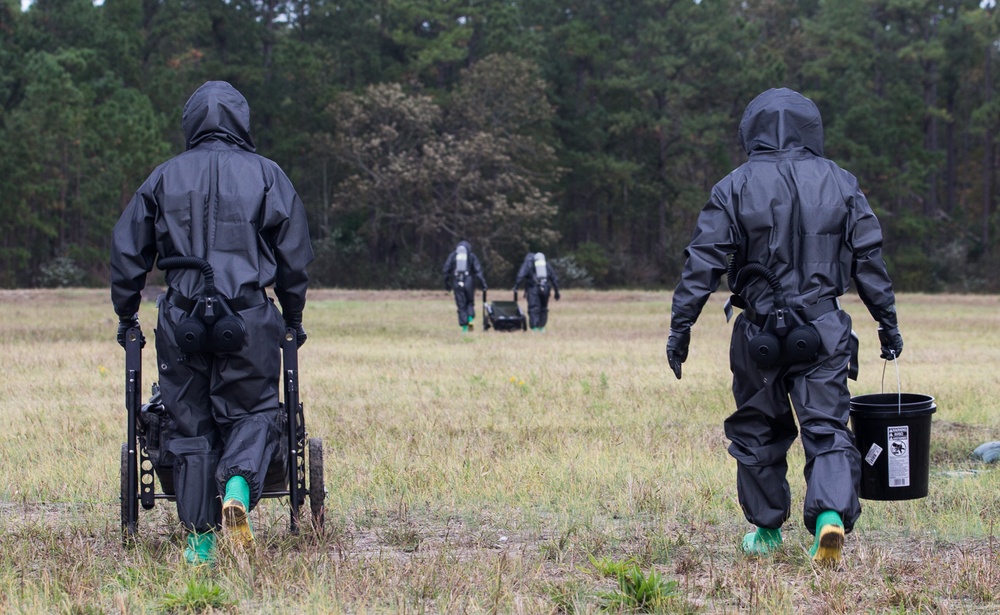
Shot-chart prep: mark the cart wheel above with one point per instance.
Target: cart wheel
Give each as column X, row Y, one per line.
column 317, row 490
column 128, row 525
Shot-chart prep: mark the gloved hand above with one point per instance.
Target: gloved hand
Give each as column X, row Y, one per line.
column 300, row 336
column 557, row 295
column 677, row 349
column 124, row 324
column 485, row 288
column 447, row 284
column 294, row 321
column 891, row 341
column 888, row 332
column 678, row 342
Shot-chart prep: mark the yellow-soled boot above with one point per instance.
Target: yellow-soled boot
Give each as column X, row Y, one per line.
column 829, row 544
column 235, row 511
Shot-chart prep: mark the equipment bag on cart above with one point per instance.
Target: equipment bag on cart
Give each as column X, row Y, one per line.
column 504, row 315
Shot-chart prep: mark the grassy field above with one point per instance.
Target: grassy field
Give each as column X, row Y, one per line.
column 566, row 471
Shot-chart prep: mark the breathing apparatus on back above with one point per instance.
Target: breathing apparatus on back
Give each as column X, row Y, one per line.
column 461, row 264
column 210, row 325
column 541, row 271
column 784, row 338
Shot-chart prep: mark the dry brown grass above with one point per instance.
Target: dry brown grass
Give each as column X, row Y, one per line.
column 480, row 473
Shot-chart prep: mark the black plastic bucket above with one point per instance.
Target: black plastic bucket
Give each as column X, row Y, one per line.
column 893, row 433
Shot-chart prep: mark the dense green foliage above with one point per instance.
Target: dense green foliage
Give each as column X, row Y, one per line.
column 591, row 130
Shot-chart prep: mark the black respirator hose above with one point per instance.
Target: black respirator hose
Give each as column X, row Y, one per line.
column 738, row 280
column 191, row 262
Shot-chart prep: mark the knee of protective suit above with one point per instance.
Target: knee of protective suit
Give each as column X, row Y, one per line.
column 760, row 455
column 198, row 505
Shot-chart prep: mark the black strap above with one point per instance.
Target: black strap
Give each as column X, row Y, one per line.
column 237, row 304
column 816, row 310
column 808, row 314
column 245, row 302
column 178, row 300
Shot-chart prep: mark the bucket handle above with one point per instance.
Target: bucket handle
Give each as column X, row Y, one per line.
column 899, row 386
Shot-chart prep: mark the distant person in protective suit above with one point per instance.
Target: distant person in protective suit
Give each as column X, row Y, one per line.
column 798, row 230
column 461, row 271
column 540, row 282
column 222, row 203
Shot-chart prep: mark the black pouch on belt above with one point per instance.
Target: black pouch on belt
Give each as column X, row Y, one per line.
column 784, row 339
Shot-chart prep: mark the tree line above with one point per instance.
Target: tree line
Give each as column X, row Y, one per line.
column 591, row 130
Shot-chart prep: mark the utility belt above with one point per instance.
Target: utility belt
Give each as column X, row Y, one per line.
column 236, row 304
column 787, row 336
column 212, row 323
column 807, row 314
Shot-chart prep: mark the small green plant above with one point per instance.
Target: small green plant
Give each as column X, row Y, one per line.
column 640, row 592
column 197, row 597
column 607, row 567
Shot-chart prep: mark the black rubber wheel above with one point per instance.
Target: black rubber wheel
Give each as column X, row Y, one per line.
column 317, row 489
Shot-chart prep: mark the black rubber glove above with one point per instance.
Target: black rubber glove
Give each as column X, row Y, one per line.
column 678, row 342
column 294, row 321
column 124, row 324
column 888, row 332
column 300, row 336
column 485, row 288
column 557, row 295
column 677, row 349
column 891, row 341
column 447, row 283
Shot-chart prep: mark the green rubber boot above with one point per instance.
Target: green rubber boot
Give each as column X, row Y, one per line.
column 465, row 328
column 472, row 324
column 200, row 549
column 764, row 541
column 235, row 509
column 829, row 538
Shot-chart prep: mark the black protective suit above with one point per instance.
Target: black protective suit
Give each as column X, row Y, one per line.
column 221, row 202
column 537, row 288
column 804, row 219
column 461, row 277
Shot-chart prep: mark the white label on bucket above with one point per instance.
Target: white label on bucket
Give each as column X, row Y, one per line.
column 899, row 456
column 873, row 454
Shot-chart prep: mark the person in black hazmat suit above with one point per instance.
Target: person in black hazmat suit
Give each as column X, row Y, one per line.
column 220, row 202
column 799, row 229
column 540, row 282
column 460, row 271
